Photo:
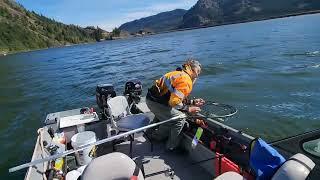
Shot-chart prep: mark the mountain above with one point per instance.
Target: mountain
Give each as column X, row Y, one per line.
column 164, row 21
column 23, row 30
column 215, row 12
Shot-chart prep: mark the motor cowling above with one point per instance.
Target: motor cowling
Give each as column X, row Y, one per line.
column 133, row 89
column 103, row 93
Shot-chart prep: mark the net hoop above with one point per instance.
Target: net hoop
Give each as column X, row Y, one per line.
column 230, row 109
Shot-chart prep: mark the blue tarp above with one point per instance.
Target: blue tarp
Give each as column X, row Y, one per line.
column 264, row 159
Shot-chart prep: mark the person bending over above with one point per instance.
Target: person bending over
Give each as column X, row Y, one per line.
column 167, row 98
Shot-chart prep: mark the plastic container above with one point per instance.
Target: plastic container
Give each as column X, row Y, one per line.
column 58, row 164
column 59, row 138
column 83, row 157
column 73, row 175
column 223, row 164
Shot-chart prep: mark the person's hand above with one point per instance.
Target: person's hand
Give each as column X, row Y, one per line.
column 198, row 102
column 194, row 109
column 201, row 123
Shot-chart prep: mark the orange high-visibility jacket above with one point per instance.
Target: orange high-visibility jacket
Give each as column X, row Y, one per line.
column 178, row 83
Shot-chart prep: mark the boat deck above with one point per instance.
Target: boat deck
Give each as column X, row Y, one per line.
column 159, row 162
column 156, row 164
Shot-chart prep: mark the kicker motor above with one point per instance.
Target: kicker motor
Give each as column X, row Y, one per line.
column 133, row 89
column 103, row 93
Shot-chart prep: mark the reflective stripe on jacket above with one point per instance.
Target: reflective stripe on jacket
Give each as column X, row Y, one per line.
column 178, row 84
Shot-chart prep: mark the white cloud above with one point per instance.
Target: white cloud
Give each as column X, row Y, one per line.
column 137, row 15
column 107, row 25
column 110, row 25
column 161, row 7
column 182, row 4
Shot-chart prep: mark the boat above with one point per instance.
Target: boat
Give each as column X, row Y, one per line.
column 105, row 152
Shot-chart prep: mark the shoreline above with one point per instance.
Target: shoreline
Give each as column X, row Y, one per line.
column 53, row 47
column 2, row 54
column 245, row 21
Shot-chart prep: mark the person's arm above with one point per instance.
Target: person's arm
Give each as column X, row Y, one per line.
column 177, row 104
column 176, row 101
column 182, row 90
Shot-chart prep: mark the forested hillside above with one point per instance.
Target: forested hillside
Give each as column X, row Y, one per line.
column 215, row 12
column 218, row 12
column 164, row 21
column 22, row 30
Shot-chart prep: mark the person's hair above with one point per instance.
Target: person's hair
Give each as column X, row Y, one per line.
column 192, row 63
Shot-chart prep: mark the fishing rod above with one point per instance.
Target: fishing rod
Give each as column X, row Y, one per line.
column 65, row 153
column 294, row 136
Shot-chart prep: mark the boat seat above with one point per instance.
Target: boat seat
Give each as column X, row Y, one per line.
column 121, row 116
column 132, row 122
column 230, row 176
column 296, row 167
column 123, row 120
column 111, row 166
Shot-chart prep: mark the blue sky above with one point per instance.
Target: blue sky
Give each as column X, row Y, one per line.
column 106, row 14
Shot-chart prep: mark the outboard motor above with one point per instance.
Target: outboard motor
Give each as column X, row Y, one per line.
column 103, row 93
column 133, row 89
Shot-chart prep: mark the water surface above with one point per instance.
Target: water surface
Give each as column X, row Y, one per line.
column 269, row 70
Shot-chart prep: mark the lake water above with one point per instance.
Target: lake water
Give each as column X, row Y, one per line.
column 269, row 70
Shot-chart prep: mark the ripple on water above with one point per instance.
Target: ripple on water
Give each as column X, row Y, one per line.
column 306, row 94
column 253, row 46
column 304, row 70
column 316, row 66
column 249, row 63
column 209, row 42
column 313, row 53
column 95, row 66
column 154, row 51
column 306, row 54
column 214, row 69
column 297, row 110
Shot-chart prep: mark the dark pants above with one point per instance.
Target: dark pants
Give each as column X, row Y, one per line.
column 171, row 130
